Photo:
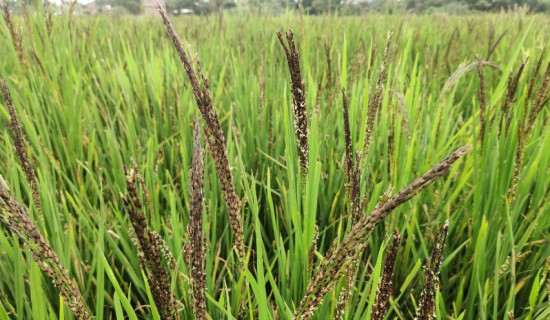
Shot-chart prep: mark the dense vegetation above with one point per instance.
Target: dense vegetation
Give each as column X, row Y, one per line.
column 342, row 7
column 104, row 113
column 311, row 7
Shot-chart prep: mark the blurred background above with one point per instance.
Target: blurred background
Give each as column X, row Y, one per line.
column 312, row 7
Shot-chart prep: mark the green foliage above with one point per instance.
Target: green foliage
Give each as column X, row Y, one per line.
column 122, row 6
column 132, row 6
column 95, row 92
column 458, row 6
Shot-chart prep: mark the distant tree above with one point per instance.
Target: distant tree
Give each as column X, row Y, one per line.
column 133, row 6
column 542, row 5
column 322, row 6
column 478, row 5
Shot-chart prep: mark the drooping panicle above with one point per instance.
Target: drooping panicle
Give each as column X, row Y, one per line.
column 542, row 96
column 376, row 96
column 14, row 217
column 149, row 250
column 16, row 37
column 426, row 303
column 354, row 202
column 384, row 290
column 348, row 160
column 491, row 43
column 197, row 240
column 482, row 103
column 511, row 89
column 311, row 253
column 214, row 136
column 346, row 293
column 298, row 97
column 536, row 72
column 534, row 104
column 338, row 257
column 329, row 87
column 351, row 167
column 18, row 137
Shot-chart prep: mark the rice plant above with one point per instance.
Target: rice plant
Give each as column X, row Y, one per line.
column 118, row 208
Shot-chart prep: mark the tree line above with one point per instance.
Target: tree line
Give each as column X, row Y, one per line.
column 350, row 7
column 317, row 7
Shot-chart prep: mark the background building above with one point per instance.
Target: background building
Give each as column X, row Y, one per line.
column 150, row 6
